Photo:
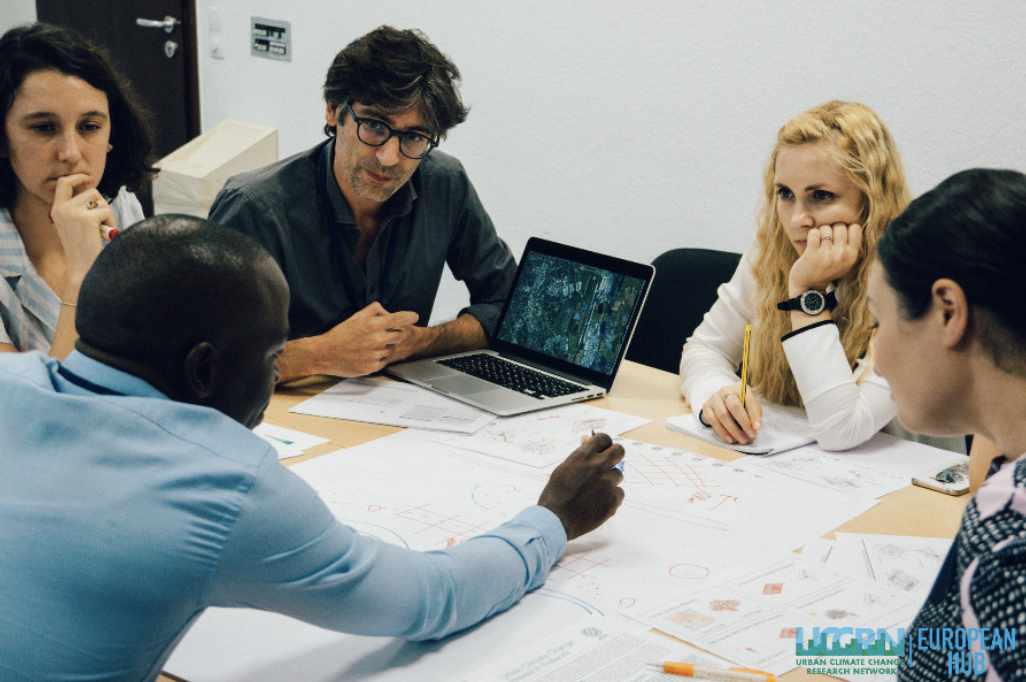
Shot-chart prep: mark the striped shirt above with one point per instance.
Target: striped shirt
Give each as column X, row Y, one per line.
column 28, row 307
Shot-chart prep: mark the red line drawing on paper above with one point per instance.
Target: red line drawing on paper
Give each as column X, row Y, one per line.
column 690, row 619
column 578, row 565
column 667, row 470
column 455, row 530
column 628, row 602
column 726, row 498
column 689, row 571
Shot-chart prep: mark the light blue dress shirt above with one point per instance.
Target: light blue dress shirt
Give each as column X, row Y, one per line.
column 123, row 514
column 28, row 306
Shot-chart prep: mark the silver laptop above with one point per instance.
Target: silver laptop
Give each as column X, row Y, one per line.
column 561, row 337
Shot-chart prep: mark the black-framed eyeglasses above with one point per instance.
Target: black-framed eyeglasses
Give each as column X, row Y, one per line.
column 375, row 133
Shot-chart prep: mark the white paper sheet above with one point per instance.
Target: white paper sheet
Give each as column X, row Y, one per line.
column 545, row 438
column 818, row 551
column 594, row 649
column 687, row 521
column 876, row 468
column 903, row 563
column 395, row 404
column 687, row 518
column 752, row 620
column 783, row 428
column 288, row 442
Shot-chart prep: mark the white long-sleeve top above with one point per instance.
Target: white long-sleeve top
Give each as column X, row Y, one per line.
column 842, row 411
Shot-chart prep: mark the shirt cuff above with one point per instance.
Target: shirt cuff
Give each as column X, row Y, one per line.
column 535, row 522
column 701, row 392
column 814, row 325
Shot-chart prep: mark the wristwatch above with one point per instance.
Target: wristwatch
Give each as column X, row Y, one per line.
column 812, row 302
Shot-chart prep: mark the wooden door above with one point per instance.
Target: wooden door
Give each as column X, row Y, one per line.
column 168, row 85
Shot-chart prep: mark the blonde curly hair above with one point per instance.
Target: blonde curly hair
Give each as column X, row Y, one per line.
column 862, row 147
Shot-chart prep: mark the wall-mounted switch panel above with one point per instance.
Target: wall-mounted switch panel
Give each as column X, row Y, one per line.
column 271, row 38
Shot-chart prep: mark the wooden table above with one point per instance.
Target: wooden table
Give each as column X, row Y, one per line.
column 654, row 394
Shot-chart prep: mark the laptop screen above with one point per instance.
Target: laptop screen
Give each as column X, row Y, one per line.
column 573, row 312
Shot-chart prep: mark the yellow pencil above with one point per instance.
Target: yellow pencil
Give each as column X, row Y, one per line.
column 744, row 363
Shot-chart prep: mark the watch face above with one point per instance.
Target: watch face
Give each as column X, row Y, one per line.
column 812, row 302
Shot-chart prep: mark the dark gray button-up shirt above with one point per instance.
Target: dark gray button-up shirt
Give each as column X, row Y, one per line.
column 435, row 218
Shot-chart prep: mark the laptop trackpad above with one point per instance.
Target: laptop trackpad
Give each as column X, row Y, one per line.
column 465, row 384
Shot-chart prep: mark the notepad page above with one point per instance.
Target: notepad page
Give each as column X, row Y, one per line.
column 783, row 428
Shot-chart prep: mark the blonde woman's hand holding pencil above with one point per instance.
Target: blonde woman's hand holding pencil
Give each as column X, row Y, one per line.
column 732, row 421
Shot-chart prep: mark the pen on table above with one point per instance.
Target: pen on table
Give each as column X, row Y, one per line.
column 744, row 363
column 710, row 673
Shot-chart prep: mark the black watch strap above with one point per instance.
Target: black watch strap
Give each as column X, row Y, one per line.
column 812, row 302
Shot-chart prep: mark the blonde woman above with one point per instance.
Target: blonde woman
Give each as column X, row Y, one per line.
column 832, row 185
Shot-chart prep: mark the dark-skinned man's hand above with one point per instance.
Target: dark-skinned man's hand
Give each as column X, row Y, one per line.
column 584, row 491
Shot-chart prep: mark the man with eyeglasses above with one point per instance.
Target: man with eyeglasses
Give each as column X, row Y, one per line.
column 363, row 224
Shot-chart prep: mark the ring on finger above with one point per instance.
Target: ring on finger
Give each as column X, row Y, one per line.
column 92, row 203
column 726, row 394
column 827, row 237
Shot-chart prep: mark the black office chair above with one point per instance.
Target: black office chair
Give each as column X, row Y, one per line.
column 683, row 290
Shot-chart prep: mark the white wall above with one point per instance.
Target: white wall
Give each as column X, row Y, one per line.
column 635, row 127
column 14, row 12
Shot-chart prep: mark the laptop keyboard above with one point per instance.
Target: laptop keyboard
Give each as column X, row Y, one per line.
column 511, row 375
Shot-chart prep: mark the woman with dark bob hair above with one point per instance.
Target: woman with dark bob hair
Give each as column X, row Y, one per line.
column 948, row 296
column 74, row 138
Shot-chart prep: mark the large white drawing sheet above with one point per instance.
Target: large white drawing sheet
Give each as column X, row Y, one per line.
column 687, row 518
column 543, row 438
column 687, row 521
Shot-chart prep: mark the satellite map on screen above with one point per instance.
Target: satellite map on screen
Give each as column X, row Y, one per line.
column 571, row 311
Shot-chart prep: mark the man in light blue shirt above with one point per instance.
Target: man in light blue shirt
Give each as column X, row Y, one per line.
column 134, row 494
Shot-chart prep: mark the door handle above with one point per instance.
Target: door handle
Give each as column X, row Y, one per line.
column 168, row 23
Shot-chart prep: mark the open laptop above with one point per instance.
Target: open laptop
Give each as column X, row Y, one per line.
column 561, row 336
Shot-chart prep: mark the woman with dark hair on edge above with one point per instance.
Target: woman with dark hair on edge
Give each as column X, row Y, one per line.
column 74, row 138
column 947, row 293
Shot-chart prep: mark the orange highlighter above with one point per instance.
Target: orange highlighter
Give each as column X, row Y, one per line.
column 708, row 673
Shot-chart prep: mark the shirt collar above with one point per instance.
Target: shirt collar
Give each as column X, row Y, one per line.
column 106, row 376
column 398, row 204
column 14, row 261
